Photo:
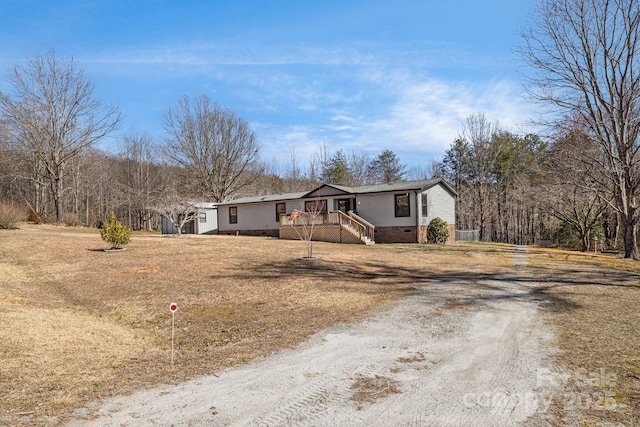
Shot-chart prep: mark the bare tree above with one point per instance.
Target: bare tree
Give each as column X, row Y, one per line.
column 569, row 192
column 317, row 163
column 14, row 168
column 177, row 211
column 359, row 168
column 479, row 134
column 215, row 146
column 432, row 169
column 293, row 174
column 304, row 223
column 585, row 55
column 141, row 178
column 54, row 113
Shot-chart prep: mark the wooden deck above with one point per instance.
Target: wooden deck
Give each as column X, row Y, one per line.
column 335, row 227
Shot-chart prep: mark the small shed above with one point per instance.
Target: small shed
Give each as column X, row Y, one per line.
column 205, row 223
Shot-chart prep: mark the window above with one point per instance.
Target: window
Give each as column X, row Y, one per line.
column 402, row 205
column 281, row 209
column 203, row 218
column 425, row 206
column 233, row 214
column 315, row 206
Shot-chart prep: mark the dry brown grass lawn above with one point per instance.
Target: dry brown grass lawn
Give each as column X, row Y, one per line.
column 80, row 324
column 594, row 302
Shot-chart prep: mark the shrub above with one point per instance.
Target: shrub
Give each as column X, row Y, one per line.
column 11, row 214
column 71, row 219
column 566, row 236
column 437, row 231
column 115, row 233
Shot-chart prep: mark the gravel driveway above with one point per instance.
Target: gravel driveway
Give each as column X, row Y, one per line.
column 449, row 355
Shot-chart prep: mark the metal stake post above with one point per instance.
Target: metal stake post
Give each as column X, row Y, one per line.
column 173, row 307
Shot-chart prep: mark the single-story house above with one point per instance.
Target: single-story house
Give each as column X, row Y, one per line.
column 205, row 223
column 385, row 213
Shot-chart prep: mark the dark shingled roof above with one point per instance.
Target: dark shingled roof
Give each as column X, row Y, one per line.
column 364, row 189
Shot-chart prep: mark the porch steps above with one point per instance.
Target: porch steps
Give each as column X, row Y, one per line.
column 366, row 240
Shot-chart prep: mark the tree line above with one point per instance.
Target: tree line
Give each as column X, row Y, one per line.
column 51, row 123
column 578, row 183
column 520, row 189
column 584, row 70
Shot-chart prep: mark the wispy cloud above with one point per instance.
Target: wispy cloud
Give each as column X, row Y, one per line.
column 423, row 118
column 215, row 54
column 357, row 96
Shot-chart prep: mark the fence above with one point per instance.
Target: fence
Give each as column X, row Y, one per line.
column 467, row 235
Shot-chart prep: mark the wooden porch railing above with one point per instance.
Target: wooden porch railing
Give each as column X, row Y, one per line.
column 359, row 225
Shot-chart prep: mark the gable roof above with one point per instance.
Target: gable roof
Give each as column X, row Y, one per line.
column 420, row 185
column 266, row 198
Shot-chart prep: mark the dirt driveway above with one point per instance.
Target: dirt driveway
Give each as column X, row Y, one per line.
column 451, row 354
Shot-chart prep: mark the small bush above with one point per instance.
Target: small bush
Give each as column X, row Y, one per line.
column 71, row 219
column 11, row 214
column 115, row 233
column 566, row 236
column 437, row 231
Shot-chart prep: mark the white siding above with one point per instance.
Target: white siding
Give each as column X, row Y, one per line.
column 210, row 226
column 207, row 223
column 440, row 203
column 379, row 209
column 255, row 216
column 295, row 205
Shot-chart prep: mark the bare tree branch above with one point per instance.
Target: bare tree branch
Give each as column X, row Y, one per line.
column 212, row 143
column 55, row 115
column 585, row 55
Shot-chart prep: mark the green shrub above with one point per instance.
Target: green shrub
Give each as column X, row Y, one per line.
column 437, row 231
column 115, row 233
column 566, row 236
column 11, row 214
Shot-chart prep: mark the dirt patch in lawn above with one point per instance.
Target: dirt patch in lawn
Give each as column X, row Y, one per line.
column 367, row 389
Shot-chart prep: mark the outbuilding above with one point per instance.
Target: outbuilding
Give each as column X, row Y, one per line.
column 205, row 223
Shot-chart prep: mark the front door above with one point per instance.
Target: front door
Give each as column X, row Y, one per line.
column 343, row 205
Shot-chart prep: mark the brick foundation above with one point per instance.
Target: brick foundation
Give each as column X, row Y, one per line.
column 452, row 233
column 423, row 234
column 411, row 234
column 394, row 234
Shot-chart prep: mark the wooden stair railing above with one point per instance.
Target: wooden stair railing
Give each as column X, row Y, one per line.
column 359, row 226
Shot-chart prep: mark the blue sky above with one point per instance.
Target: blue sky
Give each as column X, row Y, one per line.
column 352, row 75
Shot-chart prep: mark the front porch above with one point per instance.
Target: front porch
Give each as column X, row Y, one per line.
column 334, row 227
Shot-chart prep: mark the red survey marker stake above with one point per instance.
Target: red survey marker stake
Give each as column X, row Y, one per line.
column 173, row 307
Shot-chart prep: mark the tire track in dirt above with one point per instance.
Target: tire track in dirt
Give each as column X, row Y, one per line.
column 305, row 405
column 470, row 364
